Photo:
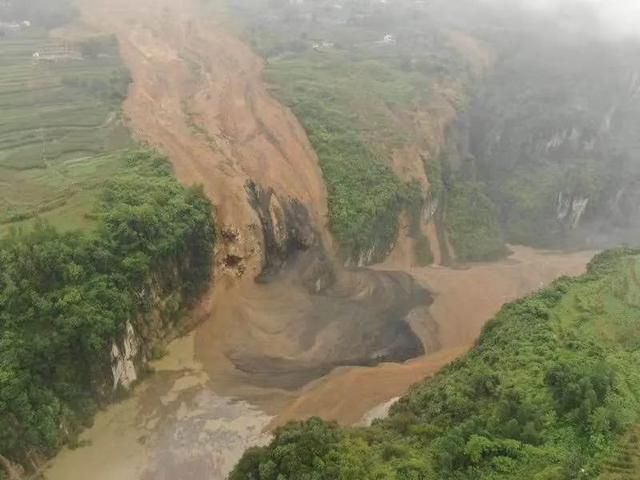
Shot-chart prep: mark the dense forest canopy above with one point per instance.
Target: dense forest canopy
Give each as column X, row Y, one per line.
column 66, row 297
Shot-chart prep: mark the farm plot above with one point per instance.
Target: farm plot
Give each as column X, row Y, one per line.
column 60, row 124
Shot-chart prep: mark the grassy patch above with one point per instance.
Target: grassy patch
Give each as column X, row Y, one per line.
column 472, row 222
column 347, row 108
column 60, row 125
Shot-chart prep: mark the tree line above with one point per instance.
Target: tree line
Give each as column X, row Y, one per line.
column 66, row 297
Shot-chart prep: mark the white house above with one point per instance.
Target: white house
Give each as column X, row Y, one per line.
column 389, row 39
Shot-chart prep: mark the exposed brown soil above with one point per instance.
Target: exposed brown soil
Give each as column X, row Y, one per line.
column 277, row 335
column 197, row 96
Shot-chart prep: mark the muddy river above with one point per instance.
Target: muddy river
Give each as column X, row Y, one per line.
column 193, row 418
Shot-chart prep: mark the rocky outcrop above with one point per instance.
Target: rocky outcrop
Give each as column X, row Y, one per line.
column 12, row 470
column 288, row 230
column 124, row 357
column 570, row 209
column 552, row 135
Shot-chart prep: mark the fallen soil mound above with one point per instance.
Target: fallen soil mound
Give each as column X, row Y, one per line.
column 281, row 336
column 463, row 300
column 198, row 95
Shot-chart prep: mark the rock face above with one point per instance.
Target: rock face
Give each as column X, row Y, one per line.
column 124, row 359
column 552, row 132
column 570, row 209
column 13, row 471
column 288, row 229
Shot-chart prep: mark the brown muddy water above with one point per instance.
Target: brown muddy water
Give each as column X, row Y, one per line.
column 193, row 418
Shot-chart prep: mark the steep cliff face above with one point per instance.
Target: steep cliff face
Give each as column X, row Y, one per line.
column 288, row 231
column 544, row 151
column 124, row 358
column 552, row 134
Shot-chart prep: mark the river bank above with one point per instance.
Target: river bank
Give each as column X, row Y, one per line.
column 178, row 425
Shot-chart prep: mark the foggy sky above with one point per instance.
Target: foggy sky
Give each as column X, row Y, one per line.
column 618, row 18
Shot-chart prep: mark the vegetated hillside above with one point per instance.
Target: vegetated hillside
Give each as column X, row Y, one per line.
column 365, row 196
column 552, row 134
column 550, row 391
column 80, row 310
column 358, row 76
column 548, row 137
column 61, row 122
column 540, row 148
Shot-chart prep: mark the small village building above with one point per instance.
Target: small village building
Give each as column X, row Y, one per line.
column 389, row 39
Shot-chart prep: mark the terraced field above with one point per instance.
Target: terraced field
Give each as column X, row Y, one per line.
column 624, row 463
column 60, row 125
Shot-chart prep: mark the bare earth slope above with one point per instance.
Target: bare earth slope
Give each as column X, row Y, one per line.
column 197, row 95
column 180, row 425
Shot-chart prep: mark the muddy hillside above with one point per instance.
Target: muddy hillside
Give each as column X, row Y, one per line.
column 198, row 96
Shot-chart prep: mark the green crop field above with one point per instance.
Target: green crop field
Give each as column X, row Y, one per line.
column 60, row 126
